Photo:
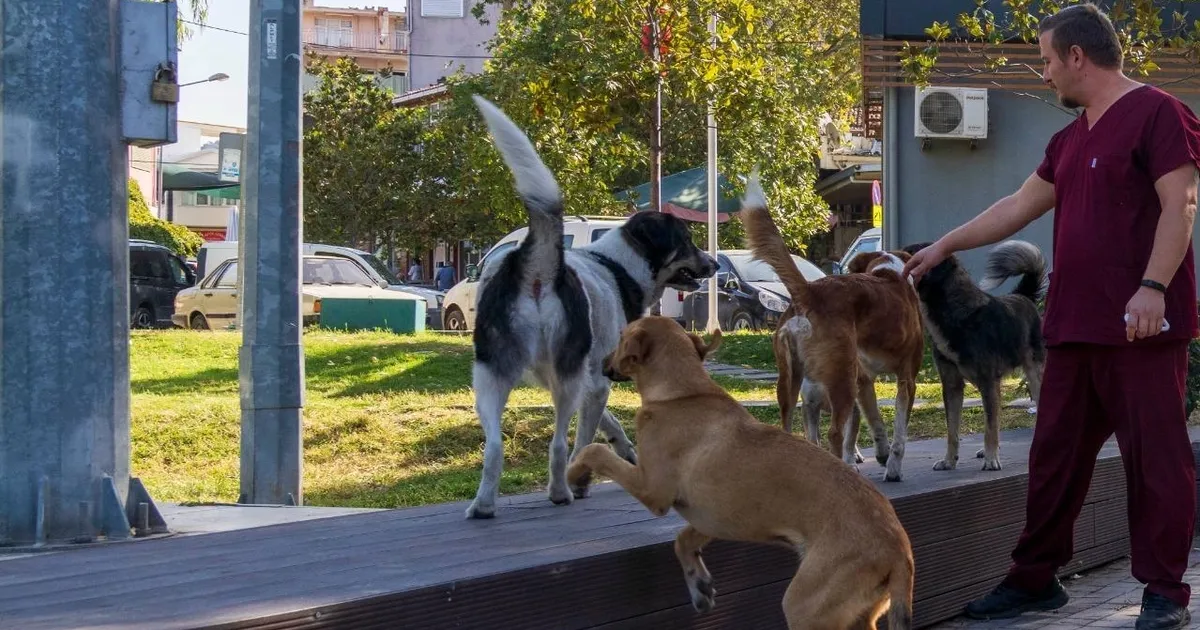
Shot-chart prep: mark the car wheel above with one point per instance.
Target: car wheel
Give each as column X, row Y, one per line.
column 741, row 321
column 197, row 322
column 143, row 317
column 455, row 319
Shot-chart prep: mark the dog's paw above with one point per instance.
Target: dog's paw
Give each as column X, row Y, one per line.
column 893, row 470
column 881, row 457
column 560, row 495
column 581, row 491
column 479, row 511
column 945, row 464
column 626, row 452
column 979, row 454
column 703, row 595
column 991, row 464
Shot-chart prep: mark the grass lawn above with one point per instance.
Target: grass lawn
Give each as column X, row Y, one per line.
column 389, row 420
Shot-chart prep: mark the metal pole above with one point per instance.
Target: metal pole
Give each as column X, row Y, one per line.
column 271, row 360
column 656, row 140
column 713, row 323
column 64, row 269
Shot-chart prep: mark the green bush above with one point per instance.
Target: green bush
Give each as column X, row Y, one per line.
column 144, row 225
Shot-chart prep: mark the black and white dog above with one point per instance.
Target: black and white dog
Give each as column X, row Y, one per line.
column 556, row 313
column 983, row 338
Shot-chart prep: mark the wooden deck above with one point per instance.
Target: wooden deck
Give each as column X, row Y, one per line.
column 603, row 562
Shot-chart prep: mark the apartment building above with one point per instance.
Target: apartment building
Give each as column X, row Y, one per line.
column 423, row 42
column 377, row 39
column 446, row 36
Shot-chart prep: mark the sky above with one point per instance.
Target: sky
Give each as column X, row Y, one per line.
column 210, row 50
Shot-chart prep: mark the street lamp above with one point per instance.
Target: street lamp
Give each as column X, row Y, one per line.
column 220, row 76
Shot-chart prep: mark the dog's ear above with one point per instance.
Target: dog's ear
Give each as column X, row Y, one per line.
column 632, row 353
column 861, row 261
column 902, row 255
column 704, row 349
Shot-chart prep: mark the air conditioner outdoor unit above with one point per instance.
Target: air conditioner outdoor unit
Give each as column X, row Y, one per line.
column 951, row 112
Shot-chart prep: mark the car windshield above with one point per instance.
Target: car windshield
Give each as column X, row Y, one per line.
column 329, row 271
column 381, row 268
column 753, row 270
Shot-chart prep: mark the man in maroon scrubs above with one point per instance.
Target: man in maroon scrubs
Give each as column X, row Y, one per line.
column 1122, row 178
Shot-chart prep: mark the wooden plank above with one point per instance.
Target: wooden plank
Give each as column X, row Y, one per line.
column 602, row 561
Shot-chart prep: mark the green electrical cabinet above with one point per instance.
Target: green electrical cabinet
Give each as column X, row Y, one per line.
column 398, row 314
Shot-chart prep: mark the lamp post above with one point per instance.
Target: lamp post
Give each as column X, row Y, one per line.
column 220, row 76
column 170, row 195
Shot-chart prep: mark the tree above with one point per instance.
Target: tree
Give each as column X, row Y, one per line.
column 143, row 225
column 361, row 157
column 1145, row 40
column 575, row 76
column 197, row 14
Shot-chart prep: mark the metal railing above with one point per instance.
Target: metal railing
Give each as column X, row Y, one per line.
column 396, row 43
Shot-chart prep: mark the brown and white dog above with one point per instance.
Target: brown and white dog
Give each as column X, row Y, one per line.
column 792, row 385
column 732, row 477
column 847, row 329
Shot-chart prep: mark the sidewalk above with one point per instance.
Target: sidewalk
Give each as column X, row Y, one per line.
column 1105, row 597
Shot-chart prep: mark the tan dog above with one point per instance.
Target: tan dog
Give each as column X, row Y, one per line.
column 732, row 477
column 848, row 329
column 792, row 384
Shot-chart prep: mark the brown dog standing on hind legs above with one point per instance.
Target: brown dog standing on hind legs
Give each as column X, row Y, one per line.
column 848, row 329
column 733, row 477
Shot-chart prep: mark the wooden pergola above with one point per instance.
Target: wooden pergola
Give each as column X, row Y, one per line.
column 966, row 64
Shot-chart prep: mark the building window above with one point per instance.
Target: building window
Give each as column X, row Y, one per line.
column 442, row 8
column 190, row 198
column 335, row 32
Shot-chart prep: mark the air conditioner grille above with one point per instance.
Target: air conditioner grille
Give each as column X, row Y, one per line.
column 941, row 112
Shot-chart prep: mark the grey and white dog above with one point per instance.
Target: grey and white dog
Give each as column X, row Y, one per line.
column 554, row 314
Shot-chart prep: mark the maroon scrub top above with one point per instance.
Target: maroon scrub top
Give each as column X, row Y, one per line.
column 1106, row 211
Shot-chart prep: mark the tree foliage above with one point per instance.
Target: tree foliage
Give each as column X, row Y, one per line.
column 197, row 13
column 144, row 225
column 361, row 161
column 574, row 75
column 1141, row 27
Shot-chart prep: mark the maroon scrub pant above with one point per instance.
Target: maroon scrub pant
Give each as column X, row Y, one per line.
column 1088, row 393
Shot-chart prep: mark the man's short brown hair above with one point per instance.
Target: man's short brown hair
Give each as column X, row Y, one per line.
column 1086, row 26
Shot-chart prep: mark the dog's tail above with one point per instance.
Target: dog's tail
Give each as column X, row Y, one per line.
column 1017, row 258
column 900, row 589
column 764, row 240
column 542, row 247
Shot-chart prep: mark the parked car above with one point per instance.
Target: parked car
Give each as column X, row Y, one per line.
column 214, row 302
column 156, row 275
column 458, row 307
column 750, row 295
column 868, row 241
column 216, row 252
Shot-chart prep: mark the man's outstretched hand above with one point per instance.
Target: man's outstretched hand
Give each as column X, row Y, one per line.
column 924, row 260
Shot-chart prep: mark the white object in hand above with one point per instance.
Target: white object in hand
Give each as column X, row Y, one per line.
column 1165, row 327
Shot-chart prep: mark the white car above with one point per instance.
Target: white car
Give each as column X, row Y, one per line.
column 213, row 304
column 868, row 241
column 458, row 306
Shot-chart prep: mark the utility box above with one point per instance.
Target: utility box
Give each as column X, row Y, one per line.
column 401, row 314
column 149, row 72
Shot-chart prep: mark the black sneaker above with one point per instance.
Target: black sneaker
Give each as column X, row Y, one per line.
column 1160, row 613
column 1005, row 602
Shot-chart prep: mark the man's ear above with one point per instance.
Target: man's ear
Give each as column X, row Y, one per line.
column 632, row 351
column 704, row 349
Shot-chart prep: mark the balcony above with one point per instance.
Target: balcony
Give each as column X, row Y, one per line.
column 389, row 44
